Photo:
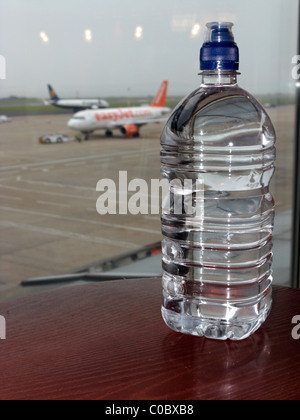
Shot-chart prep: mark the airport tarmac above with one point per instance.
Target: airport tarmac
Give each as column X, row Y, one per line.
column 48, row 219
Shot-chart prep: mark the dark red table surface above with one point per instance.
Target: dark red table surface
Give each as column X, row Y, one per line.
column 108, row 341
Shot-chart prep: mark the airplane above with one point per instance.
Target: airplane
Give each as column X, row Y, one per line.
column 127, row 120
column 4, row 119
column 75, row 104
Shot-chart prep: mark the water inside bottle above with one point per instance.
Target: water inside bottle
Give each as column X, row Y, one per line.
column 218, row 262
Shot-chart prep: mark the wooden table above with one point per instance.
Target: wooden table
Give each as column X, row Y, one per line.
column 108, row 341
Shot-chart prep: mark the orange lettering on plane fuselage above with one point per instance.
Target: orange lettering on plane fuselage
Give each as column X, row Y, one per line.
column 122, row 114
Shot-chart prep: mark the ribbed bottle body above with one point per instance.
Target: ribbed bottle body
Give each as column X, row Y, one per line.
column 218, row 152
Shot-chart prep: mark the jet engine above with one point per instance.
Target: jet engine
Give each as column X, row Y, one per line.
column 130, row 130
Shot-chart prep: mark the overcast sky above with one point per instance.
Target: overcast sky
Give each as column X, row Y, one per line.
column 115, row 61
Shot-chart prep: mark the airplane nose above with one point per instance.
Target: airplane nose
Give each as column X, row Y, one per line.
column 71, row 124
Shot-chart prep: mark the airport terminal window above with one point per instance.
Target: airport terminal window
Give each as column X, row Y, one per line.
column 95, row 54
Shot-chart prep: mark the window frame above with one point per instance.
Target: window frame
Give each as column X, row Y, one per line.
column 296, row 210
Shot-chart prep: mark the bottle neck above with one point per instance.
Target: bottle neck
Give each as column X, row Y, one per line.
column 219, row 77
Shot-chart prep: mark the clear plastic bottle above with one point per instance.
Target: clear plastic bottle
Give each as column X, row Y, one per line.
column 217, row 261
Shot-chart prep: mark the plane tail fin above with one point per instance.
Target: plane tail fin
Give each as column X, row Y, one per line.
column 161, row 96
column 52, row 93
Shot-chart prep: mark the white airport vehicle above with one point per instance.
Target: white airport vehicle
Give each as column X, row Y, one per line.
column 4, row 119
column 127, row 120
column 54, row 139
column 75, row 104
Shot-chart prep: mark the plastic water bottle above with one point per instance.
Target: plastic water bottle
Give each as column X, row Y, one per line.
column 217, row 260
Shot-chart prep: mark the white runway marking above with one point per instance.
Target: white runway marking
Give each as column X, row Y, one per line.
column 49, row 203
column 10, row 173
column 67, row 235
column 42, row 169
column 74, row 164
column 104, row 160
column 80, row 220
column 78, row 159
column 54, row 184
column 10, row 197
column 51, row 184
column 55, row 194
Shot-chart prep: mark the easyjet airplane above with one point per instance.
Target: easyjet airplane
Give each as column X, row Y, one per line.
column 128, row 120
column 75, row 104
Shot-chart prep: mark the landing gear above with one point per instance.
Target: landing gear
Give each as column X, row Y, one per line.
column 83, row 137
column 86, row 136
column 109, row 133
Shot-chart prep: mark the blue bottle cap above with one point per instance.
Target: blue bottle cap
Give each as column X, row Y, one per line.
column 219, row 51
